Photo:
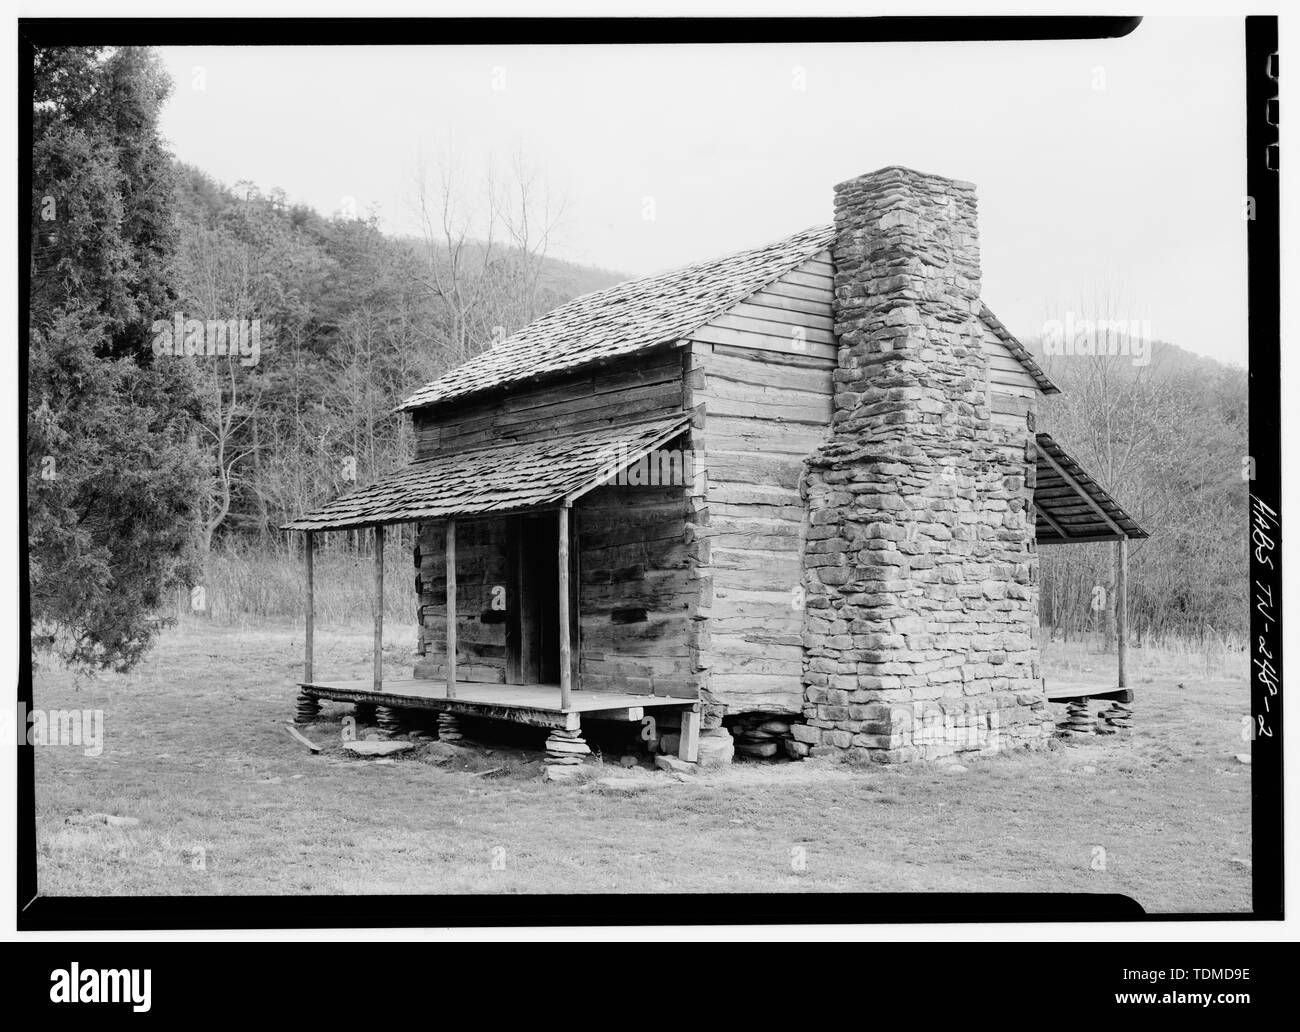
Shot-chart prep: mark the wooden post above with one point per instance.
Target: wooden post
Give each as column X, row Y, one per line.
column 379, row 607
column 688, row 743
column 516, row 640
column 309, row 543
column 566, row 659
column 1121, row 608
column 451, row 609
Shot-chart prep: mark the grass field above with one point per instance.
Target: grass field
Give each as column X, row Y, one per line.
column 196, row 749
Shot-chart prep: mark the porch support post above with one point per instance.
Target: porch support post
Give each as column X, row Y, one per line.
column 309, row 545
column 1121, row 608
column 566, row 660
column 379, row 607
column 451, row 609
column 688, row 742
column 308, row 704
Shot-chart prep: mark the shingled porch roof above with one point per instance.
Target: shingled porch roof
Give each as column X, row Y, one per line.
column 499, row 478
column 1070, row 506
column 644, row 313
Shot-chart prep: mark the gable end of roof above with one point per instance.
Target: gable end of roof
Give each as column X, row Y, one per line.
column 624, row 319
column 636, row 315
column 1017, row 349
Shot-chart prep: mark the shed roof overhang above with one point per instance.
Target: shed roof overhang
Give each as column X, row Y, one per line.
column 503, row 478
column 1070, row 506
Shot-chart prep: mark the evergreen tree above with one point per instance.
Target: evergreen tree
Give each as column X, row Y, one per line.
column 112, row 458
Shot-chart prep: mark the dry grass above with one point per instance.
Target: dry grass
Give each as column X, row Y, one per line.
column 245, row 588
column 197, row 750
column 1214, row 657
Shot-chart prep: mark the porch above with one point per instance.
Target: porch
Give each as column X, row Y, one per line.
column 535, row 704
column 534, row 485
column 1070, row 507
column 1059, row 690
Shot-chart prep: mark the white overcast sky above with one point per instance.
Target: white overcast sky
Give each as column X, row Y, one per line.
column 1109, row 168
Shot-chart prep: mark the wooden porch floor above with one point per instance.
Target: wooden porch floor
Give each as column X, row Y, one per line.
column 536, row 704
column 1059, row 690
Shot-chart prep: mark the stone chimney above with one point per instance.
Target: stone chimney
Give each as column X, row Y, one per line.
column 920, row 570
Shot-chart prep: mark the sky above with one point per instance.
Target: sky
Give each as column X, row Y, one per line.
column 1108, row 172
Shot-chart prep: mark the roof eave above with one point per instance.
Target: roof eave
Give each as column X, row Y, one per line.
column 1021, row 353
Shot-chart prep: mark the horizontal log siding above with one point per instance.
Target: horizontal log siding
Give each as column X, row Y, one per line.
column 1012, row 392
column 636, row 590
column 640, row 386
column 480, row 567
column 767, row 405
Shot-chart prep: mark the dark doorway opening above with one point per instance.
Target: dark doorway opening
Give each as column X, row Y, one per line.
column 532, row 600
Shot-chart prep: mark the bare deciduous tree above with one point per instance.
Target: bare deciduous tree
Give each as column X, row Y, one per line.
column 485, row 255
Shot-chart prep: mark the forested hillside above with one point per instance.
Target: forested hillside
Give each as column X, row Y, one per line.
column 1169, row 440
column 352, row 320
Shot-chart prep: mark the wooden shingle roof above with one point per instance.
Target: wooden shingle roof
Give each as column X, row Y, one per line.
column 639, row 314
column 500, row 478
column 625, row 318
column 1070, row 506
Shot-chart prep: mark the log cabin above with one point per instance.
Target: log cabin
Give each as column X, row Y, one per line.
column 798, row 488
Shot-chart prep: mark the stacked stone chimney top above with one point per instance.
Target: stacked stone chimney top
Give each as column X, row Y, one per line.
column 906, row 310
column 902, row 171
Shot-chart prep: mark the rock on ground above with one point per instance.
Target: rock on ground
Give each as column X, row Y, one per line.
column 563, row 772
column 112, row 820
column 674, row 765
column 372, row 748
column 717, row 748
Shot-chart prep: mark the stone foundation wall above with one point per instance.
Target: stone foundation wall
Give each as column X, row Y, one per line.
column 920, row 570
column 899, row 732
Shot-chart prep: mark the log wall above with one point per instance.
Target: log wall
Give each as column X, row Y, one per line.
column 639, row 387
column 480, row 629
column 767, row 405
column 636, row 590
column 634, row 561
column 1012, row 391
